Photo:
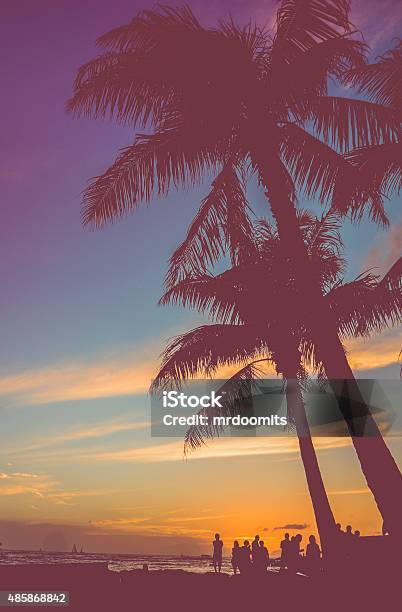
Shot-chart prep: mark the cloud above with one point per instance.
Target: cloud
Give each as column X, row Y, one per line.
column 297, row 526
column 119, row 523
column 386, row 252
column 24, row 483
column 221, row 448
column 376, row 352
column 350, row 492
column 202, row 517
column 43, row 487
column 129, row 373
column 7, row 475
column 144, row 526
column 97, row 431
column 68, row 382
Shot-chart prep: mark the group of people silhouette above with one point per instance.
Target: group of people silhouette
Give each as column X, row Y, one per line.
column 348, row 531
column 245, row 559
column 255, row 558
column 292, row 553
column 348, row 541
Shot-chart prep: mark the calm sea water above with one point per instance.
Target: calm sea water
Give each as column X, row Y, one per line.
column 116, row 563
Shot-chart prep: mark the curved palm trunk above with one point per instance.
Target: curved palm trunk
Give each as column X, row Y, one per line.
column 380, row 470
column 322, row 510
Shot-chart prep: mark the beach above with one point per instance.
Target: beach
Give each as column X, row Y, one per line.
column 94, row 587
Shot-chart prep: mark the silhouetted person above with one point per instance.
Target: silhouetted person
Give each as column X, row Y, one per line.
column 357, row 533
column 254, row 548
column 340, row 541
column 349, row 541
column 313, row 556
column 339, row 529
column 261, row 558
column 285, row 551
column 295, row 550
column 244, row 558
column 236, row 552
column 217, row 556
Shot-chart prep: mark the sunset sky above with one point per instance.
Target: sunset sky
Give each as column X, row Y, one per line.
column 81, row 332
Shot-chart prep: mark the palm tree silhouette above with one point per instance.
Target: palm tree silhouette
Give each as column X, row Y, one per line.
column 226, row 100
column 248, row 330
column 380, row 164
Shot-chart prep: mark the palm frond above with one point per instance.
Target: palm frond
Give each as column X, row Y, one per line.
column 149, row 24
column 219, row 296
column 135, row 79
column 221, row 223
column 323, row 232
column 368, row 304
column 236, row 390
column 317, row 169
column 149, row 167
column 324, row 245
column 300, row 25
column 381, row 82
column 345, row 123
column 298, row 86
column 380, row 168
column 204, row 349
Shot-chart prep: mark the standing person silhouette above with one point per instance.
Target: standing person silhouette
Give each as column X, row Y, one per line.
column 217, row 555
column 244, row 558
column 285, row 551
column 262, row 558
column 236, row 552
column 295, row 551
column 254, row 548
column 348, row 540
column 313, row 556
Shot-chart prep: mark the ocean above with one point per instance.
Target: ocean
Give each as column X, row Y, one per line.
column 115, row 563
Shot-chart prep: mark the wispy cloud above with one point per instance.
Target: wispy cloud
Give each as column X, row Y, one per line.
column 125, row 376
column 84, row 433
column 173, row 451
column 147, row 526
column 297, row 526
column 376, row 352
column 350, row 492
column 43, row 487
column 23, row 483
column 130, row 375
column 387, row 250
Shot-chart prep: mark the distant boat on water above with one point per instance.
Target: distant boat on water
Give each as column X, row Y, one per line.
column 75, row 551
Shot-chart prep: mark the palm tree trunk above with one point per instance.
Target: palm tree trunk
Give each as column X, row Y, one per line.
column 379, row 468
column 322, row 510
